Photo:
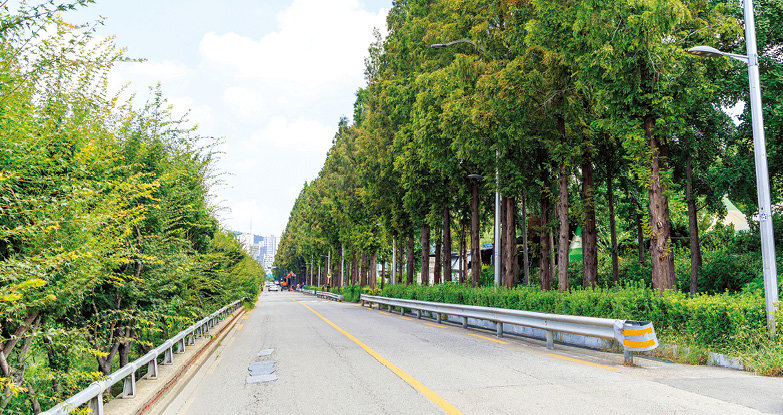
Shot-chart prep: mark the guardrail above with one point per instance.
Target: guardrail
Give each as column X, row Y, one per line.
column 634, row 336
column 93, row 394
column 308, row 292
column 327, row 294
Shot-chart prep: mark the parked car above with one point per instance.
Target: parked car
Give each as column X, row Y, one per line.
column 273, row 287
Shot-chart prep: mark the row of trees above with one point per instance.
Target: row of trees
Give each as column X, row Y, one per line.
column 592, row 114
column 108, row 242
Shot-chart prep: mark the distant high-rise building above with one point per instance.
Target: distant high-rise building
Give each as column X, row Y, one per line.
column 270, row 250
column 262, row 248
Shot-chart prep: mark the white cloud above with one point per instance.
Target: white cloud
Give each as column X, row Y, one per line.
column 160, row 71
column 197, row 114
column 302, row 135
column 318, row 42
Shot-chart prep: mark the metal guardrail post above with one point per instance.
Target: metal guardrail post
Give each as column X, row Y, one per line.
column 152, row 369
column 129, row 386
column 499, row 327
column 168, row 356
column 439, row 318
column 418, row 314
column 550, row 340
column 96, row 405
column 464, row 322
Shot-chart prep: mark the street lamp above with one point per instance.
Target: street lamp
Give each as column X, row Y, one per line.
column 496, row 245
column 760, row 155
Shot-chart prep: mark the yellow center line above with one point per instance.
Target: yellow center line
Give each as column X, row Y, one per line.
column 583, row 362
column 405, row 318
column 488, row 338
column 434, row 325
column 245, row 317
column 239, row 326
column 449, row 408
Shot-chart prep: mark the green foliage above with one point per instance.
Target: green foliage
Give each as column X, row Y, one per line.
column 108, row 242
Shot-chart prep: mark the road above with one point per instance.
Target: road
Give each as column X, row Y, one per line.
column 340, row 358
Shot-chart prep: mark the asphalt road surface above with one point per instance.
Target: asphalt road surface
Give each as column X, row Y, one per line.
column 340, row 358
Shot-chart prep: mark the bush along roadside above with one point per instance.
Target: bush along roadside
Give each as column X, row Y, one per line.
column 728, row 324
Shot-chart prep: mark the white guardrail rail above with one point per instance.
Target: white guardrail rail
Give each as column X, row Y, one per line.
column 634, row 336
column 93, row 394
column 331, row 296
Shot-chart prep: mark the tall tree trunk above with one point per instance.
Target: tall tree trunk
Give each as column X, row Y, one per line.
column 373, row 269
column 363, row 269
column 562, row 236
column 640, row 246
column 661, row 255
column 354, row 271
column 410, row 260
column 475, row 237
column 438, row 270
column 446, row 242
column 693, row 223
column 525, row 256
column 125, row 346
column 510, row 263
column 612, row 224
column 425, row 255
column 589, row 231
column 552, row 253
column 544, row 243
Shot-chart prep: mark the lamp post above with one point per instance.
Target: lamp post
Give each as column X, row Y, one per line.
column 496, row 245
column 760, row 155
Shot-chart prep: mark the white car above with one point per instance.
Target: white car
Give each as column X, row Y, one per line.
column 274, row 287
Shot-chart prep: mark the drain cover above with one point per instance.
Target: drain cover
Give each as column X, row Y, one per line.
column 260, row 379
column 265, row 352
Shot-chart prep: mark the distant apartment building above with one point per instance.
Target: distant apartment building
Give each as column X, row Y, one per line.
column 261, row 248
column 270, row 250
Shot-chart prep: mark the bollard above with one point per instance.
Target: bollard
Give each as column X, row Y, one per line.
column 638, row 336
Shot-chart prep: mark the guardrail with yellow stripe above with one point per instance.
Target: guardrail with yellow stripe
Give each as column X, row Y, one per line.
column 633, row 336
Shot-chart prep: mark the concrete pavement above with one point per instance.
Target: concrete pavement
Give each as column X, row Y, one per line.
column 340, row 358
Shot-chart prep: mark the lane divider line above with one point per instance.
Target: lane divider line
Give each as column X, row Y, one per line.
column 489, row 338
column 405, row 318
column 435, row 325
column 429, row 393
column 583, row 362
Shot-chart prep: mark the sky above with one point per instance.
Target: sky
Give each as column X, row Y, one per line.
column 271, row 78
